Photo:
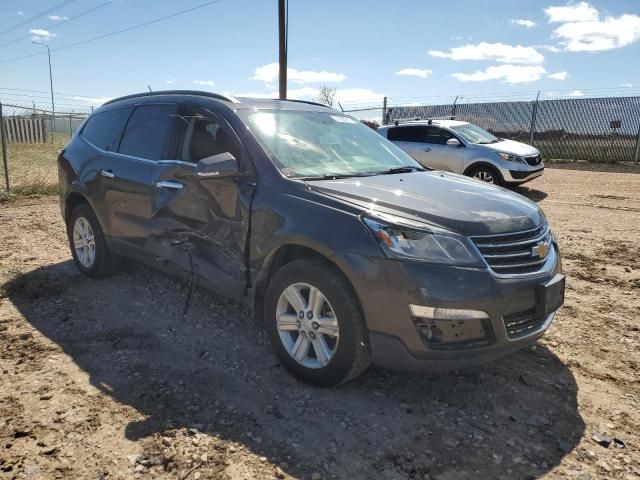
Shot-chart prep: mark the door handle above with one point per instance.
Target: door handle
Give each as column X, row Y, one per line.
column 107, row 173
column 427, row 149
column 169, row 185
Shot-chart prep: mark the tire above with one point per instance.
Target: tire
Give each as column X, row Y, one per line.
column 484, row 172
column 103, row 262
column 348, row 354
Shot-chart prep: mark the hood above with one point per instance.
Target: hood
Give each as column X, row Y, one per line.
column 451, row 201
column 511, row 147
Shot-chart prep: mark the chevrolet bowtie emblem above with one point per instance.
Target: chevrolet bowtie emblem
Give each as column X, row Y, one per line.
column 540, row 250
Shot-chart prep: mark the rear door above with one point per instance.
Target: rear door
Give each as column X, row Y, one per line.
column 440, row 155
column 197, row 222
column 133, row 168
column 412, row 139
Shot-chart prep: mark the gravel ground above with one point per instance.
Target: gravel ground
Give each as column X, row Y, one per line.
column 106, row 380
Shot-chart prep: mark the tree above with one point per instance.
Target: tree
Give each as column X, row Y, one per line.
column 326, row 95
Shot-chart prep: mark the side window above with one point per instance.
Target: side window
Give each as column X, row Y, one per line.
column 438, row 136
column 147, row 130
column 203, row 136
column 409, row 133
column 104, row 129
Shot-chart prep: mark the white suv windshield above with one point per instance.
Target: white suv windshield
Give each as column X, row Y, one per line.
column 474, row 134
column 325, row 144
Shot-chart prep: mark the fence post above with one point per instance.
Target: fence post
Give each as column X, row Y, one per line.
column 384, row 111
column 637, row 155
column 70, row 127
column 453, row 108
column 534, row 113
column 3, row 132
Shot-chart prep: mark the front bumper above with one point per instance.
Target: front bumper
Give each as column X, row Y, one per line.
column 521, row 176
column 387, row 287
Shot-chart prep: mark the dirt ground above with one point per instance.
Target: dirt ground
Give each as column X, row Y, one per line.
column 105, row 379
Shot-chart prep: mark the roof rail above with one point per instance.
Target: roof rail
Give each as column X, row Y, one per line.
column 217, row 96
column 308, row 102
column 428, row 120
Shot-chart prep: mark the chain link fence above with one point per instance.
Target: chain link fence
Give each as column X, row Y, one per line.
column 31, row 139
column 605, row 129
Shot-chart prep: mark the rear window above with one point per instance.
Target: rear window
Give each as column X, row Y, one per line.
column 147, row 130
column 410, row 133
column 104, row 129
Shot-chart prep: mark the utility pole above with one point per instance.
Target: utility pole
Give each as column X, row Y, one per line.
column 283, row 22
column 53, row 105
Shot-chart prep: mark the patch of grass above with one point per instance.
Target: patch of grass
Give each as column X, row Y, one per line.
column 32, row 169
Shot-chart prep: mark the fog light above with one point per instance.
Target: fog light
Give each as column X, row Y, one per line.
column 437, row 313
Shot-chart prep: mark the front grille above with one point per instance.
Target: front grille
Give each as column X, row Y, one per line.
column 517, row 252
column 521, row 323
column 534, row 160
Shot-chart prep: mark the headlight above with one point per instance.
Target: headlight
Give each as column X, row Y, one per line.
column 404, row 239
column 511, row 158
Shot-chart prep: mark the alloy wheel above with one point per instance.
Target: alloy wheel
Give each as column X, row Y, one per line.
column 484, row 176
column 84, row 242
column 307, row 325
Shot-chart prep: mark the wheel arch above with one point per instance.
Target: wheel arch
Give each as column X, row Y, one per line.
column 283, row 255
column 475, row 165
column 72, row 201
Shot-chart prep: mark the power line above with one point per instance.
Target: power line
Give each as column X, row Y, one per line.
column 37, row 15
column 117, row 32
column 57, row 25
column 90, row 97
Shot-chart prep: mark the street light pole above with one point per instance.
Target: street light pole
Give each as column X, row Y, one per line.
column 53, row 105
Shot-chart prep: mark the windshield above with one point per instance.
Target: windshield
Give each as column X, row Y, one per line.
column 325, row 144
column 474, row 134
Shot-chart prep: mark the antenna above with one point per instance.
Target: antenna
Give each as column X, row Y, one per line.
column 149, row 88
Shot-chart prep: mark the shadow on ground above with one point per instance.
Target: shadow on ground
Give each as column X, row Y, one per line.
column 531, row 193
column 213, row 370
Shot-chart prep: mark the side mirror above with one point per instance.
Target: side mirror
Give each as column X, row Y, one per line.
column 453, row 142
column 222, row 165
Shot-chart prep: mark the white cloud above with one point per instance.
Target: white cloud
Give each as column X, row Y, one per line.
column 41, row 34
column 205, row 83
column 499, row 52
column 415, row 72
column 576, row 93
column 170, row 82
column 572, row 12
column 508, row 73
column 20, row 12
column 599, row 35
column 523, row 22
column 269, row 73
column 558, row 75
column 93, row 100
column 56, row 18
column 627, row 85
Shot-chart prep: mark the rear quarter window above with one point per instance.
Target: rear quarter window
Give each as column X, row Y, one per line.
column 104, row 129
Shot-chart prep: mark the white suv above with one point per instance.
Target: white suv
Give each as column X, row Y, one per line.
column 465, row 148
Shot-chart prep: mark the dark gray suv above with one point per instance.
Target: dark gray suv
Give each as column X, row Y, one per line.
column 347, row 249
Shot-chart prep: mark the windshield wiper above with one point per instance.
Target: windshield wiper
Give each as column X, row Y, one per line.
column 406, row 169
column 333, row 176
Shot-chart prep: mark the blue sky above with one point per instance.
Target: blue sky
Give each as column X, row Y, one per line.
column 407, row 49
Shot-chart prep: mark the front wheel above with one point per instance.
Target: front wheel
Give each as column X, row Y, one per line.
column 486, row 174
column 315, row 324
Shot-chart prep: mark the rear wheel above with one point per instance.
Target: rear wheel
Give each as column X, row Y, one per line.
column 88, row 246
column 315, row 324
column 486, row 174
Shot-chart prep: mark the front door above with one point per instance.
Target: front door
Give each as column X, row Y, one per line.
column 438, row 154
column 198, row 223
